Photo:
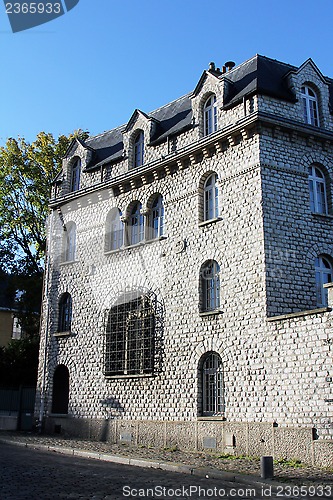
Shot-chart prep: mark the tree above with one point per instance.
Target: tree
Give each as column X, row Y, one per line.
column 26, row 174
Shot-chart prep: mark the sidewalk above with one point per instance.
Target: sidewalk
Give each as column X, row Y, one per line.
column 213, row 465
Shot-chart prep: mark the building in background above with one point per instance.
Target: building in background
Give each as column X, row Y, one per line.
column 188, row 252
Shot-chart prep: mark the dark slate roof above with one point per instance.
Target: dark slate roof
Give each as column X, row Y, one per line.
column 258, row 75
column 171, row 119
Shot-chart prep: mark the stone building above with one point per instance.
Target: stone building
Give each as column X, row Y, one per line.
column 187, row 256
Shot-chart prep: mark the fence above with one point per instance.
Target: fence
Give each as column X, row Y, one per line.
column 17, row 408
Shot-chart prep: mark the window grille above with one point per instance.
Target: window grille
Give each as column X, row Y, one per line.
column 212, row 386
column 133, row 336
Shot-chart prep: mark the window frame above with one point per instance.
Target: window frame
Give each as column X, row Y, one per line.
column 310, row 106
column 211, row 198
column 212, row 384
column 323, row 266
column 210, row 287
column 65, row 306
column 135, row 231
column 114, row 237
column 210, row 115
column 76, row 175
column 70, row 242
column 317, row 190
column 130, row 336
column 156, row 218
column 139, row 149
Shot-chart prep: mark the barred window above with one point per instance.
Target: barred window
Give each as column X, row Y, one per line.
column 212, row 385
column 130, row 339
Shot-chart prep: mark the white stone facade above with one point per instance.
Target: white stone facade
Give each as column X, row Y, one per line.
column 273, row 341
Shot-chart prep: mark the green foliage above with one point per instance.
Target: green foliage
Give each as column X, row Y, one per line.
column 19, row 362
column 293, row 462
column 26, row 174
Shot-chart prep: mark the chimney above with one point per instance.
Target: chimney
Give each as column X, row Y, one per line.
column 229, row 65
column 212, row 66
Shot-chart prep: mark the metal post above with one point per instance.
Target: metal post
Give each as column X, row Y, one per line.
column 266, row 467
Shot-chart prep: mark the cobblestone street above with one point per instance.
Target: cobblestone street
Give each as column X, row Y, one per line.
column 48, row 467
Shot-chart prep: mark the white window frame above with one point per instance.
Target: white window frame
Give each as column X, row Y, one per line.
column 210, row 115
column 317, row 190
column 213, row 403
column 210, row 286
column 136, row 225
column 115, row 230
column 76, row 175
column 156, row 218
column 70, row 242
column 139, row 148
column 324, row 274
column 211, row 198
column 310, row 106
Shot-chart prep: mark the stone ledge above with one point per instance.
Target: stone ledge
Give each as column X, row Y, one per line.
column 300, row 314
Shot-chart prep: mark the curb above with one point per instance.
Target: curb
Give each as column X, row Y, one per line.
column 138, row 462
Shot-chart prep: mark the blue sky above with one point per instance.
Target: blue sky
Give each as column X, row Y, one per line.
column 93, row 66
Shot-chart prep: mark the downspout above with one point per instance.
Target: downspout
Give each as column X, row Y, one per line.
column 47, row 322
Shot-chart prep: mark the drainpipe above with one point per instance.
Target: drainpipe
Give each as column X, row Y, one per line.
column 47, row 322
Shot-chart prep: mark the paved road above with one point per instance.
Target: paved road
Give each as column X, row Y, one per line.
column 31, row 474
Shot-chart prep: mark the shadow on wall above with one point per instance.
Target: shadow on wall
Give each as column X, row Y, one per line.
column 114, row 409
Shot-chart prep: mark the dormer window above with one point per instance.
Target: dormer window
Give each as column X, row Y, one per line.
column 210, row 115
column 310, row 106
column 139, row 149
column 76, row 174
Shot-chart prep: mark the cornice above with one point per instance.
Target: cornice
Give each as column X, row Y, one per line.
column 204, row 148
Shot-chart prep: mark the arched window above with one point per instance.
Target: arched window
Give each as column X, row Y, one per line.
column 70, row 242
column 310, row 106
column 114, row 234
column 210, row 286
column 65, row 313
column 317, row 190
column 130, row 335
column 60, row 394
column 139, row 149
column 210, row 115
column 324, row 273
column 135, row 225
column 212, row 385
column 156, row 218
column 75, row 175
column 211, row 198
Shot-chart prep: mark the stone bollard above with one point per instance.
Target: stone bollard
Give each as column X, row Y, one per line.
column 266, row 467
